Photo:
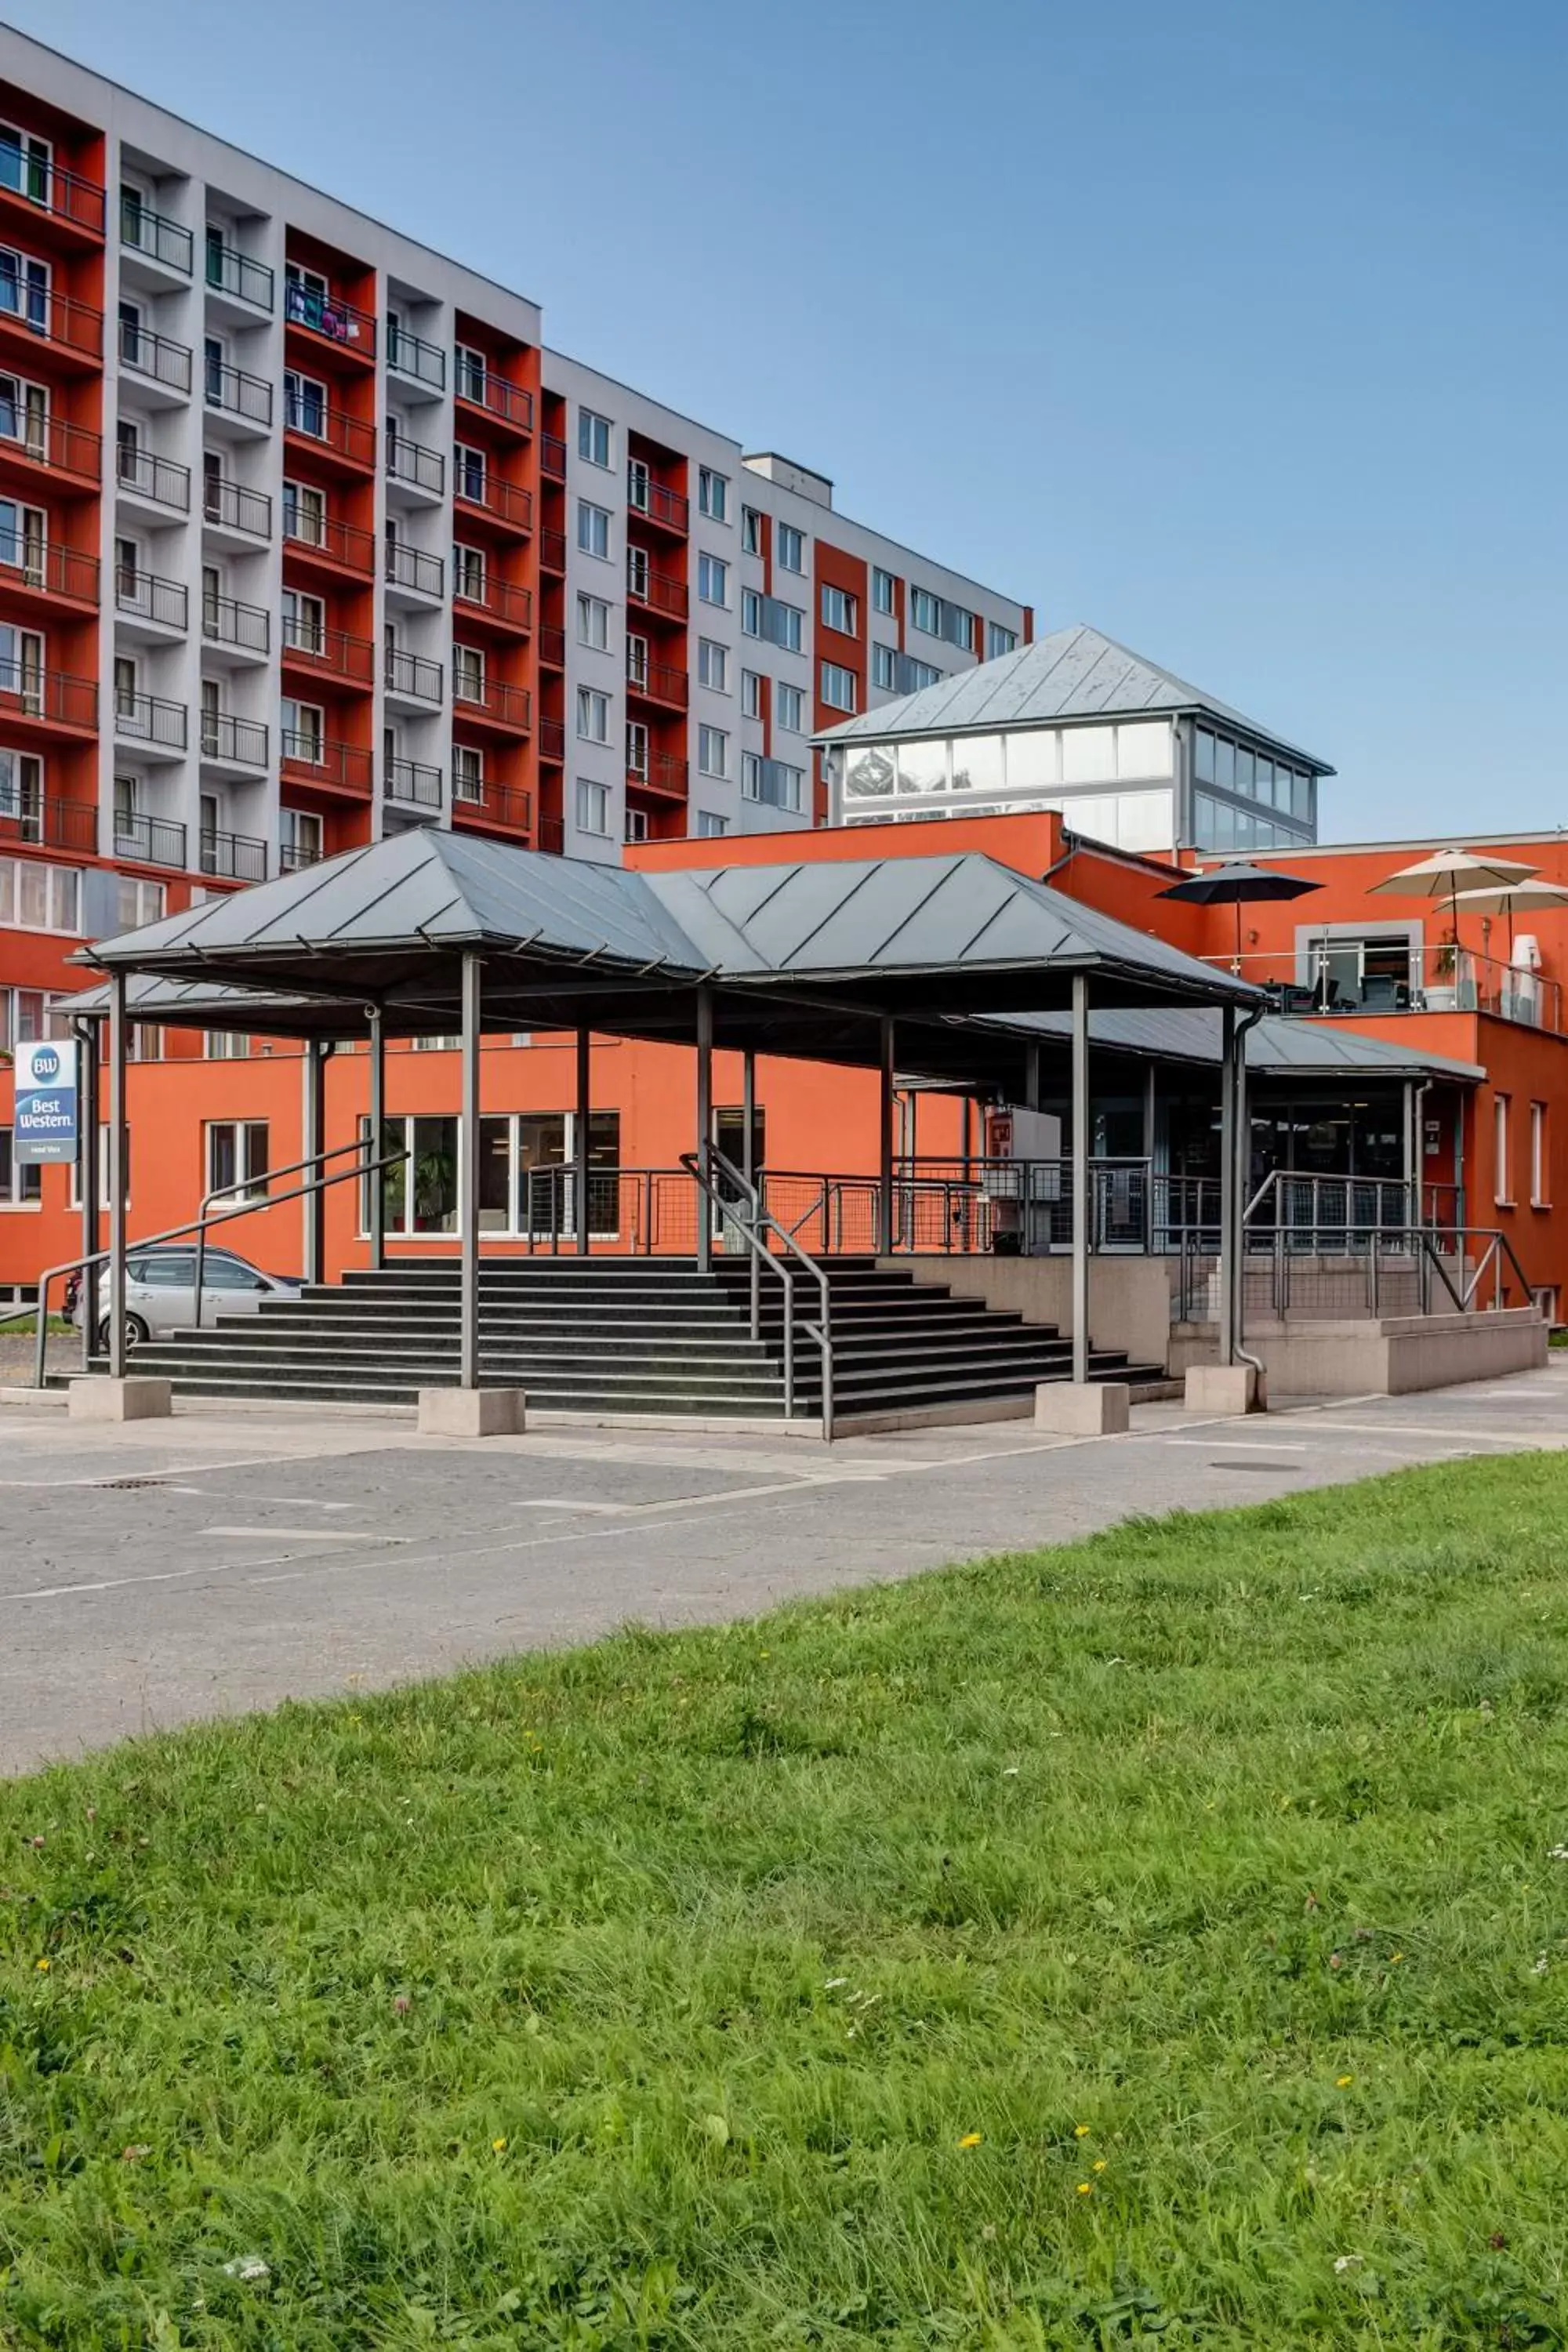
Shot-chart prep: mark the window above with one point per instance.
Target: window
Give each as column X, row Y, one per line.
column 469, row 572
column 25, row 287
column 713, row 494
column 840, row 609
column 1539, row 1173
column 712, row 580
column 301, row 836
column 751, row 693
column 468, row 772
column 789, row 709
column 592, row 808
column 593, row 715
column 999, row 641
column 595, row 445
column 468, row 674
column 593, row 529
column 470, row 473
column 26, row 1015
column 304, row 405
column 304, row 732
column 136, row 903
column 24, row 162
column 593, row 623
column 469, row 371
column 711, row 827
column 881, row 591
column 304, row 513
column 237, row 1157
column 304, row 621
column 837, row 687
column 36, row 897
column 20, row 1188
column 712, row 751
column 925, row 612
column 25, row 415
column 637, row 750
column 885, row 668
column 750, row 532
column 713, row 665
column 22, row 792
column 789, row 547
column 752, row 602
column 773, row 783
column 1502, row 1190
column 766, row 616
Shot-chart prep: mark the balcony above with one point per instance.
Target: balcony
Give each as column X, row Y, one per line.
column 552, row 456
column 658, row 771
column 151, row 720
column 332, row 323
column 509, row 403
column 487, row 701
column 295, row 856
column 328, row 653
column 412, row 782
column 232, row 506
column 415, row 573
column 415, row 362
column 412, row 677
column 152, row 238
column 237, row 396
column 552, row 836
column 665, row 510
column 654, row 681
column 226, row 621
column 553, row 551
column 151, row 840
column 410, row 466
column 157, row 360
column 50, row 824
column 329, row 432
column 327, row 539
column 1387, row 972
column 51, row 443
column 501, row 602
column 503, row 805
column 162, row 604
column 232, row 856
column 39, row 314
column 656, row 592
column 53, row 572
column 159, row 480
column 503, row 503
column 331, row 766
column 235, row 277
column 552, row 646
column 228, row 741
column 49, row 698
column 34, row 187
column 552, row 740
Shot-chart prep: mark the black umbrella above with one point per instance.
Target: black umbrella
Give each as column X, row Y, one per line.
column 1234, row 886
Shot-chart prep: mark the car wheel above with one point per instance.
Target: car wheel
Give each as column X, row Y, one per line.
column 135, row 1332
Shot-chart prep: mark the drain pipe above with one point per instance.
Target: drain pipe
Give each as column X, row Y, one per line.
column 1242, row 1166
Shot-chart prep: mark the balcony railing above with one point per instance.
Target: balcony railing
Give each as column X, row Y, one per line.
column 657, row 682
column 48, row 187
column 553, row 645
column 230, row 271
column 414, row 781
column 506, row 804
column 413, row 674
column 53, row 441
column 656, row 591
column 410, row 461
column 553, row 551
column 53, row 318
column 658, row 771
column 502, row 501
column 237, row 742
column 328, row 426
column 147, row 596
column 163, row 480
column 157, row 357
column 650, row 499
column 328, row 315
column 506, row 706
column 294, row 857
column 413, row 567
column 238, row 392
column 411, row 355
column 227, row 622
column 329, row 536
column 321, row 759
column 49, row 824
column 1334, row 979
column 54, row 570
column 332, row 652
column 235, row 507
column 233, row 857
column 153, row 840
column 144, row 231
column 552, row 740
column 512, row 402
column 150, row 718
column 502, row 600
column 552, row 456
column 51, row 696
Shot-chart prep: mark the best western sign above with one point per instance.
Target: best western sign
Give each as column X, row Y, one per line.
column 45, row 1121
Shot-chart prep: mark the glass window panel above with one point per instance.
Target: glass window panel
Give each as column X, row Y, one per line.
column 868, row 775
column 1203, row 756
column 1093, row 813
column 33, row 898
column 1223, row 762
column 434, row 1175
column 495, row 1175
column 923, row 767
column 1146, row 821
column 977, row 764
column 1246, row 778
column 1144, row 748
column 1089, row 755
column 1302, row 797
column 1224, row 835
column 1033, row 759
column 1263, row 779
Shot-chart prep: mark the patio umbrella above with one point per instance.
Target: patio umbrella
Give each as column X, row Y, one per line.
column 1235, row 884
column 1504, row 898
column 1448, row 871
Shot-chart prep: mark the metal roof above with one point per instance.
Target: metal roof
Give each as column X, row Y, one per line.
column 1073, row 674
column 1279, row 1045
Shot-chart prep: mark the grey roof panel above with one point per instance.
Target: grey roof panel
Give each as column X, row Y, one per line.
column 1279, row 1045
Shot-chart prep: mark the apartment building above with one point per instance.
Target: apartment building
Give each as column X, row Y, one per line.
column 304, row 535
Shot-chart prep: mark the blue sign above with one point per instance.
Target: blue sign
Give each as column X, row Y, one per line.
column 45, row 1121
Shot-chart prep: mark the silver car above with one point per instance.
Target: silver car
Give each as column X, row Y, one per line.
column 160, row 1290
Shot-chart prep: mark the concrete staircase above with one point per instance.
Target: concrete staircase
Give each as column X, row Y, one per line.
column 633, row 1336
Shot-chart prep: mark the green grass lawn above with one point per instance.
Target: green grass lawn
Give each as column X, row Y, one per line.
column 1160, row 1939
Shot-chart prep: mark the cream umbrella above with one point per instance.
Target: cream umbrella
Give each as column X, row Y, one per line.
column 1506, row 897
column 1447, row 871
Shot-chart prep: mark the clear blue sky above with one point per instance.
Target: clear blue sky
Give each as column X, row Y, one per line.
column 1236, row 330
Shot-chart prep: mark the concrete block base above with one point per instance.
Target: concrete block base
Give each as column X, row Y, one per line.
column 138, row 1397
column 472, row 1412
column 1095, row 1409
column 1222, row 1389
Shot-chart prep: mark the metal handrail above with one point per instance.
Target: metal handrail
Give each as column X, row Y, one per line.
column 268, row 1200
column 763, row 1221
column 178, row 1233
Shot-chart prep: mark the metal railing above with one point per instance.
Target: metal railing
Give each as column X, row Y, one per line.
column 49, row 186
column 238, row 742
column 416, row 568
column 412, row 674
column 163, row 480
column 142, row 230
column 337, row 652
column 502, row 500
column 154, row 840
column 230, row 271
column 157, row 357
column 148, row 597
column 411, row 462
column 236, row 391
column 738, row 1202
column 234, row 506
column 228, row 621
column 321, row 312
column 1329, row 977
column 149, row 719
column 233, row 857
column 413, row 355
column 414, row 781
column 55, row 442
column 307, row 530
column 326, row 425
column 512, row 403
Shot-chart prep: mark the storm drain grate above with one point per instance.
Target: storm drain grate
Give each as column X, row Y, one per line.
column 118, row 1485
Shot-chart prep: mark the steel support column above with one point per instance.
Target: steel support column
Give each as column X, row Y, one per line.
column 118, row 1130
column 312, row 1143
column 87, row 1183
column 1229, row 1186
column 704, row 1127
column 1031, row 1077
column 580, row 1144
column 1081, row 1201
column 468, row 1178
column 885, row 1139
column 748, row 1171
column 378, row 1179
